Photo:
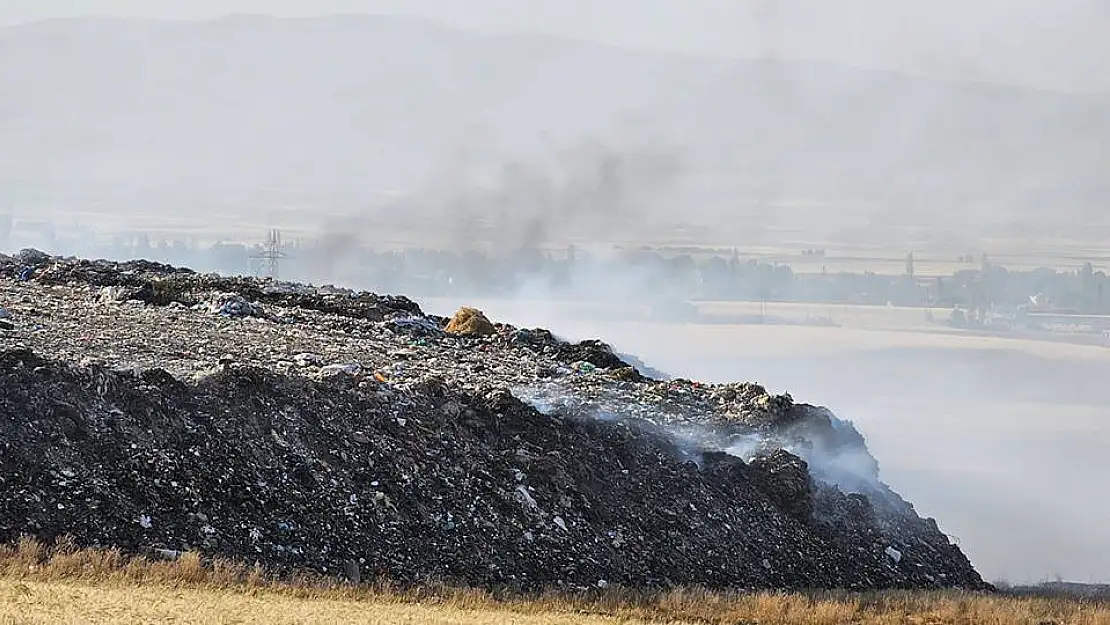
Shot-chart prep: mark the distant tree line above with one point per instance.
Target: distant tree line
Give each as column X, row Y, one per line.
column 642, row 274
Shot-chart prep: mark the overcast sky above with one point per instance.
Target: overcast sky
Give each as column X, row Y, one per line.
column 1053, row 44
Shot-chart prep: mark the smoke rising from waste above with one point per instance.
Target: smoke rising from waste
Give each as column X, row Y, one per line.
column 953, row 151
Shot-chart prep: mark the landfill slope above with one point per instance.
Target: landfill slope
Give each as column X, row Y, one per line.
column 151, row 408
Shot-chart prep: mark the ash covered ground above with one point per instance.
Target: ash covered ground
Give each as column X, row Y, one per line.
column 147, row 407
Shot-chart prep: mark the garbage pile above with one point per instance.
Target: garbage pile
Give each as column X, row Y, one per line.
column 151, row 408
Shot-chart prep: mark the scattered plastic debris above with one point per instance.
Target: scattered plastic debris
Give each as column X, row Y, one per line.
column 306, row 359
column 250, row 445
column 341, row 369
column 894, row 554
column 419, row 325
column 583, row 367
column 236, row 306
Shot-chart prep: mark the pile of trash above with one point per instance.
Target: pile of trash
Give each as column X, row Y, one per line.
column 151, row 408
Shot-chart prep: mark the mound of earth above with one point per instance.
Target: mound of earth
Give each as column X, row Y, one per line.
column 148, row 407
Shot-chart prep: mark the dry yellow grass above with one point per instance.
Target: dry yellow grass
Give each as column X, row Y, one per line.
column 470, row 322
column 69, row 585
column 50, row 603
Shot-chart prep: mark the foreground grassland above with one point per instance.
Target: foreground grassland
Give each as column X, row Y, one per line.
column 66, row 585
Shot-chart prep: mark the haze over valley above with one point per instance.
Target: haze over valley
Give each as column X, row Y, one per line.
column 774, row 164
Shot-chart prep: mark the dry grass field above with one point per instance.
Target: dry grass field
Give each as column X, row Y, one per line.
column 902, row 318
column 40, row 586
column 888, row 257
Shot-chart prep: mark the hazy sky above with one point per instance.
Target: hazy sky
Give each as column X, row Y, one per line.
column 173, row 135
column 1054, row 44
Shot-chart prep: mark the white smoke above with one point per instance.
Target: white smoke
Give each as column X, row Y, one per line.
column 833, row 448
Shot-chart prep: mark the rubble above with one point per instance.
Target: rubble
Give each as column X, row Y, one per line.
column 234, row 305
column 352, row 434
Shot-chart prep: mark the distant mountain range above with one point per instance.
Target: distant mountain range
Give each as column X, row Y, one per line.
column 254, row 111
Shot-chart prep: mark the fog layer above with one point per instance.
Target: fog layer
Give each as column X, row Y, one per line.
column 239, row 117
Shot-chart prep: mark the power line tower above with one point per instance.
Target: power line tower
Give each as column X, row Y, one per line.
column 272, row 253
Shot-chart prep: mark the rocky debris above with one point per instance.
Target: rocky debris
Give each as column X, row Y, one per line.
column 642, row 368
column 317, row 428
column 593, row 352
column 418, row 326
column 346, row 369
column 234, row 305
column 470, row 322
column 161, row 285
column 894, row 554
column 309, row 360
column 32, row 257
column 785, row 479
